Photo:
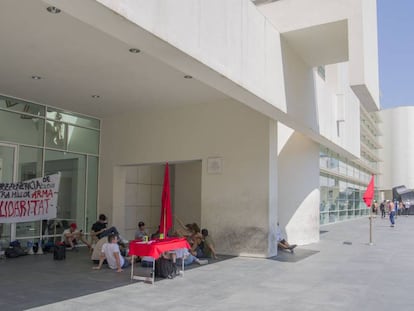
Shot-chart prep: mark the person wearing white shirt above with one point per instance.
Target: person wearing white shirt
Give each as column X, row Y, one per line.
column 71, row 236
column 407, row 207
column 112, row 254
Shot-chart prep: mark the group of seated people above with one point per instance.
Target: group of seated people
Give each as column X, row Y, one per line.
column 71, row 236
column 108, row 245
column 202, row 245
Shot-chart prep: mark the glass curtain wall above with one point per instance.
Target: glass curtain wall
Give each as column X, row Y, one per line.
column 342, row 186
column 50, row 140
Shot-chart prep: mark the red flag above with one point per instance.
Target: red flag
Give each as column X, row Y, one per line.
column 166, row 217
column 369, row 193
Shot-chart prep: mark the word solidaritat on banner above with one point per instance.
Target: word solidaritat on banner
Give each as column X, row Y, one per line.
column 29, row 200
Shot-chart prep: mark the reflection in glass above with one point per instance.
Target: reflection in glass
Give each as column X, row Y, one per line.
column 83, row 140
column 6, row 175
column 30, row 163
column 72, row 118
column 71, row 200
column 56, row 134
column 29, row 167
column 17, row 128
column 92, row 201
column 341, row 188
column 24, row 125
column 27, row 229
column 21, row 106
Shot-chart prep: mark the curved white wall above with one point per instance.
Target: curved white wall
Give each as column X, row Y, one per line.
column 298, row 181
column 398, row 148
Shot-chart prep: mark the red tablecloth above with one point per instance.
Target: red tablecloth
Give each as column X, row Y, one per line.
column 155, row 248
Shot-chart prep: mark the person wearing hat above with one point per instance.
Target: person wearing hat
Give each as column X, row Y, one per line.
column 141, row 233
column 71, row 236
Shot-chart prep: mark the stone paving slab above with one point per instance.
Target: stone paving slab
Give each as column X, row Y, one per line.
column 340, row 276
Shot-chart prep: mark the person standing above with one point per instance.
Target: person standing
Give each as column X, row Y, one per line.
column 401, row 208
column 391, row 209
column 382, row 208
column 395, row 209
column 407, row 207
column 374, row 207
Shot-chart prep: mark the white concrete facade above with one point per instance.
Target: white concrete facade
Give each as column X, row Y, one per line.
column 255, row 104
column 397, row 131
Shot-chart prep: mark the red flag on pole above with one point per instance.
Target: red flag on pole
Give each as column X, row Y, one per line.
column 166, row 217
column 369, row 193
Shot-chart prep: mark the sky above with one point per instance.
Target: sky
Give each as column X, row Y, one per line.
column 396, row 52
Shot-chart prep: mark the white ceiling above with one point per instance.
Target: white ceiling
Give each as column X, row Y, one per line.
column 77, row 61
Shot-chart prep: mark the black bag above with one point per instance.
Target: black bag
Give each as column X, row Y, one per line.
column 59, row 252
column 165, row 268
column 14, row 251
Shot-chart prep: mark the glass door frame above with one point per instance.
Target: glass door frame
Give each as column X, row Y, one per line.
column 14, row 179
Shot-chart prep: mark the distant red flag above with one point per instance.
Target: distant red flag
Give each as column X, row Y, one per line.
column 166, row 217
column 369, row 193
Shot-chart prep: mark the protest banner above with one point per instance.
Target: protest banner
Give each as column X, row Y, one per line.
column 30, row 200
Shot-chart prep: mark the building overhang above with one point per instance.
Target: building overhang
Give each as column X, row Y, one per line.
column 321, row 44
column 86, row 70
column 324, row 32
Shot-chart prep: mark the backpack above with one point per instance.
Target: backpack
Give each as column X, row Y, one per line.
column 14, row 251
column 59, row 252
column 165, row 268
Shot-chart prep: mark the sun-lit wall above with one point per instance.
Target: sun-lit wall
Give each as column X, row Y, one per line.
column 397, row 167
column 235, row 194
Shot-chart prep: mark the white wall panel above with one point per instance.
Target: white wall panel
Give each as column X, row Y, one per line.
column 237, row 134
column 397, row 131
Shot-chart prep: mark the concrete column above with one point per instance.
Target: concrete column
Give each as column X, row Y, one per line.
column 273, row 189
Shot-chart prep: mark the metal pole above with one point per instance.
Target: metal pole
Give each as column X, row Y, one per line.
column 370, row 226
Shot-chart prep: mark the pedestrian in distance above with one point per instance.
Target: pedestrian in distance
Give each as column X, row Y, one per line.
column 391, row 209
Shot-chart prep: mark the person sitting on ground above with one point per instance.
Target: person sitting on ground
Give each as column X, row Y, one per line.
column 207, row 245
column 71, row 236
column 184, row 231
column 141, row 232
column 192, row 233
column 281, row 242
column 195, row 239
column 96, row 253
column 184, row 254
column 110, row 252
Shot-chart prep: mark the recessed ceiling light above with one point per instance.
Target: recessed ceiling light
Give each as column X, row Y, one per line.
column 96, row 96
column 36, row 77
column 134, row 50
column 53, row 10
column 188, row 77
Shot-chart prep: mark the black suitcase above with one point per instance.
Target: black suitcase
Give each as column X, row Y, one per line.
column 59, row 253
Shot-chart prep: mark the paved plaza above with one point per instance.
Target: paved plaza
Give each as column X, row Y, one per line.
column 342, row 272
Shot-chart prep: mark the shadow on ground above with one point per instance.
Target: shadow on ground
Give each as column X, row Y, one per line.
column 298, row 255
column 36, row 280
